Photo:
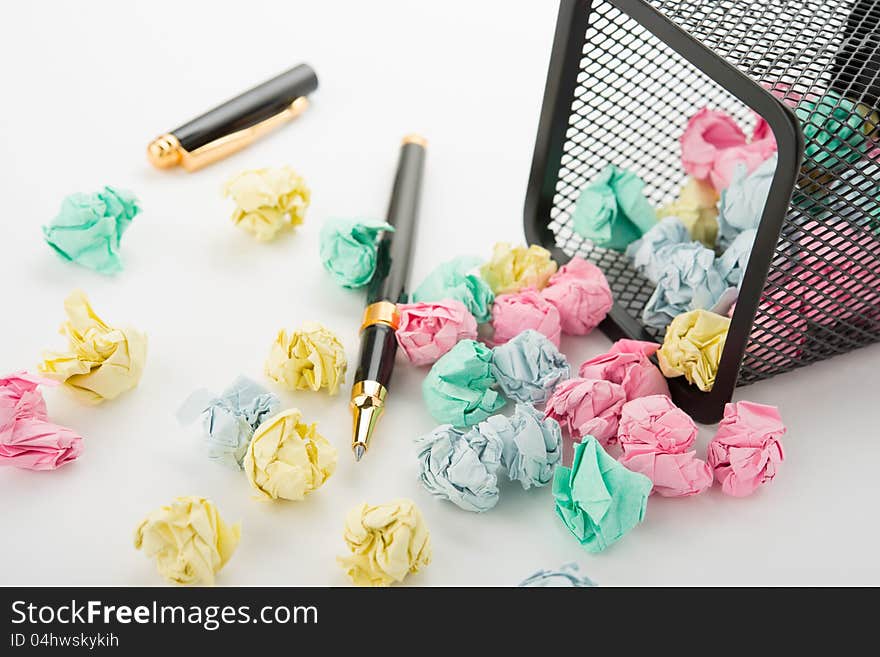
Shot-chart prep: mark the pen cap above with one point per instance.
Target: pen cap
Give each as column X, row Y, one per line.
column 249, row 108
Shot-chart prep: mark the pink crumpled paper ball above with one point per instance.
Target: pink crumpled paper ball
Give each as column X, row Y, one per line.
column 427, row 330
column 28, row 439
column 628, row 363
column 713, row 144
column 586, row 407
column 656, row 438
column 527, row 309
column 581, row 294
column 746, row 451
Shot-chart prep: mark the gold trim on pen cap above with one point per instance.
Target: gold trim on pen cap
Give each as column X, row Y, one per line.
column 381, row 312
column 415, row 139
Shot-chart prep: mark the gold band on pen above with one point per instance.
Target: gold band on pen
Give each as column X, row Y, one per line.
column 381, row 312
column 166, row 152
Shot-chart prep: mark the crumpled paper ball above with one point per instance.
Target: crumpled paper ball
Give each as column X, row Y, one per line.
column 628, row 363
column 310, row 358
column 689, row 280
column 349, row 248
column 656, row 438
column 692, row 347
column 28, row 438
column 834, row 131
column 645, row 251
column 742, row 203
column 733, row 262
column 458, row 388
column 268, row 200
column 747, row 450
column 531, row 444
column 581, row 294
column 568, row 576
column 455, row 280
column 387, row 542
column 612, row 210
column 587, row 407
column 529, row 367
column 230, row 419
column 460, row 467
column 188, row 539
column 101, row 361
column 713, row 144
column 88, row 229
column 288, row 459
column 597, row 498
column 429, row 330
column 697, row 209
column 511, row 269
column 514, row 313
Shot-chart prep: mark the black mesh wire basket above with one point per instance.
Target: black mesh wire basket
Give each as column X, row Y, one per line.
column 624, row 78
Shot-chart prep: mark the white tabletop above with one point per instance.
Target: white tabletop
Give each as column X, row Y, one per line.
column 87, row 85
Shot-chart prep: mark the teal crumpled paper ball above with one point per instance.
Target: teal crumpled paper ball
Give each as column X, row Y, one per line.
column 348, row 250
column 597, row 498
column 833, row 129
column 454, row 280
column 89, row 227
column 458, row 388
column 612, row 210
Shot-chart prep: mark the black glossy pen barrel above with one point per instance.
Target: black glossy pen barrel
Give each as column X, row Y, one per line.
column 376, row 359
column 395, row 248
column 248, row 109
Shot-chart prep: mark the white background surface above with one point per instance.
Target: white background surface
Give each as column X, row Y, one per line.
column 87, row 85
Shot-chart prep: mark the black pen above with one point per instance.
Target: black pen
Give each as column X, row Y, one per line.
column 236, row 123
column 387, row 288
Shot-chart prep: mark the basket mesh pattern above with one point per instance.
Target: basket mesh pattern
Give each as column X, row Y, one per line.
column 632, row 102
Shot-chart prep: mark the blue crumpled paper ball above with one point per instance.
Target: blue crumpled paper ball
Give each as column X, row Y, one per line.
column 528, row 367
column 568, row 575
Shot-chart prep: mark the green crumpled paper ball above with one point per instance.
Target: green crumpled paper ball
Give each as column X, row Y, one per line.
column 458, row 388
column 348, row 250
column 453, row 280
column 89, row 228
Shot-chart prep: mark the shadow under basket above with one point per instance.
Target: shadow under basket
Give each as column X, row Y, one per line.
column 625, row 76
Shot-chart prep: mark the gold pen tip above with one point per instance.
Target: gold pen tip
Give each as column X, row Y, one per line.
column 413, row 138
column 359, row 452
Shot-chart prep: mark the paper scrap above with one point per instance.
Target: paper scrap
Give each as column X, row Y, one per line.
column 188, row 539
column 742, row 203
column 689, row 280
column 268, row 200
column 288, row 459
column 527, row 309
column 656, row 438
column 645, row 251
column 310, row 358
column 628, row 363
column 101, row 361
column 229, row 420
column 28, row 438
column 528, row 367
column 349, row 248
column 88, row 229
column 597, row 498
column 733, row 262
column 455, row 280
column 581, row 294
column 587, row 407
column 460, row 467
column 833, row 130
column 531, row 444
column 692, row 347
column 612, row 210
column 697, row 209
column 387, row 542
column 427, row 330
column 511, row 269
column 458, row 388
column 567, row 575
column 747, row 450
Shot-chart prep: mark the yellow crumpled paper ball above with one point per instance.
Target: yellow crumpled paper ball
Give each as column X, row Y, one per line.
column 101, row 361
column 188, row 539
column 692, row 347
column 697, row 207
column 512, row 269
column 308, row 359
column 288, row 459
column 387, row 542
column 268, row 200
